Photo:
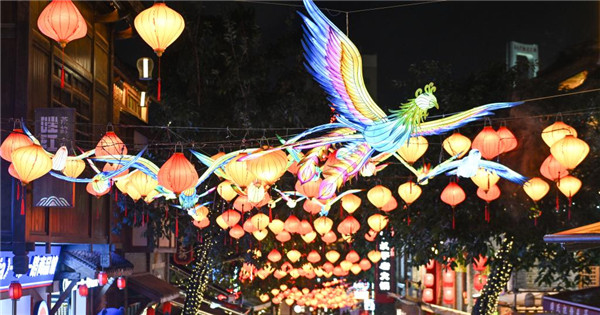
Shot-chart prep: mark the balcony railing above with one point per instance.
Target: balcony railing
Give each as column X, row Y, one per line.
column 127, row 98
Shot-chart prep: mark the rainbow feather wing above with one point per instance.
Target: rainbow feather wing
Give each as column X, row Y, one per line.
column 334, row 62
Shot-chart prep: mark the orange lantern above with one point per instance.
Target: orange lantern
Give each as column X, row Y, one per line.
column 199, row 212
column 329, row 237
column 304, row 227
column 352, row 256
column 556, row 132
column 364, row 264
column 309, row 189
column 293, row 255
column 260, row 221
column 552, row 169
column 202, row 223
column 409, row 192
column 143, row 183
column 177, row 174
column 332, row 256
column 348, row 226
column 31, row 162
column 487, row 142
column 570, row 151
column 283, row 237
column 328, row 266
column 313, row 257
column 15, row 140
column 242, row 204
column 61, row 21
column 274, row 256
column 569, row 186
column 12, row 172
column 377, row 222
column 350, row 203
column 453, row 195
column 238, row 171
column 413, row 149
column 536, row 188
column 292, row 224
column 231, row 217
column 379, row 196
column 269, row 167
column 249, row 227
column 226, row 191
column 236, row 232
column 312, row 206
column 392, row 204
column 74, row 168
column 374, row 256
column 488, row 195
column 110, row 145
column 508, row 141
column 457, row 145
column 346, row 265
column 485, row 179
column 276, row 226
column 448, row 295
column 323, row 225
column 371, row 235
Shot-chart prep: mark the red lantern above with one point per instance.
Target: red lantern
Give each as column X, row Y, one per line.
column 121, row 283
column 166, row 308
column 428, row 295
column 177, row 174
column 283, row 237
column 364, row 264
column 453, row 195
column 292, row 224
column 348, row 226
column 352, row 256
column 448, row 276
column 429, row 280
column 487, row 142
column 15, row 290
column 479, row 281
column 150, row 311
column 392, row 204
column 492, row 194
column 83, row 290
column 102, row 278
column 508, row 141
column 16, row 139
column 448, row 295
column 110, row 144
column 304, row 227
column 552, row 169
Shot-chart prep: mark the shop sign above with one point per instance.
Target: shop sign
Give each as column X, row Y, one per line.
column 42, row 267
column 555, row 307
column 384, row 273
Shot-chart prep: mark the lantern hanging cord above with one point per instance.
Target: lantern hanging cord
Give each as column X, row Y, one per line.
column 350, row 11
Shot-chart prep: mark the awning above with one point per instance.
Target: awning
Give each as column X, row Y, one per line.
column 153, row 287
column 584, row 301
column 87, row 263
column 583, row 237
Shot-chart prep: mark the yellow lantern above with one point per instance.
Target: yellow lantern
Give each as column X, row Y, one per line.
column 409, row 192
column 323, row 225
column 74, row 168
column 132, row 192
column 238, row 171
column 276, row 226
column 260, row 234
column 485, row 179
column 309, row 237
column 332, row 256
column 377, row 222
column 150, row 197
column 122, row 184
column 260, row 221
column 413, row 149
column 569, row 185
column 31, row 162
column 457, row 145
column 293, row 255
column 226, row 191
column 264, row 298
column 374, row 256
column 346, row 265
column 221, row 222
column 275, row 291
column 143, row 183
column 570, row 151
column 379, row 196
column 556, row 132
column 350, row 203
column 269, row 167
column 289, row 301
column 355, row 269
column 536, row 188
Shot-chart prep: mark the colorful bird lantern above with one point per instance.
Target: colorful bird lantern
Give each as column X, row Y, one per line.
column 83, row 290
column 159, row 26
column 31, row 162
column 377, row 222
column 276, row 226
column 508, row 141
column 352, row 256
column 323, row 225
column 413, row 149
column 92, row 191
column 379, row 196
column 348, row 226
column 332, row 256
column 274, row 256
column 570, row 151
column 374, row 256
column 457, row 145
column 269, row 167
column 177, row 174
column 15, row 290
column 350, row 203
column 225, row 190
column 485, row 179
column 552, row 169
column 487, row 142
column 536, row 188
column 556, row 132
column 74, row 168
column 110, row 145
column 102, row 278
column 453, row 195
column 236, row 232
column 121, row 283
column 409, row 192
column 15, row 140
column 61, row 21
column 293, row 255
column 145, row 66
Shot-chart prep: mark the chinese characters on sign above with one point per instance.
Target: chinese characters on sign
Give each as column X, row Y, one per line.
column 42, row 267
column 384, row 274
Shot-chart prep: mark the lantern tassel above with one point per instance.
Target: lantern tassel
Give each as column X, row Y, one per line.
column 134, row 217
column 487, row 213
column 158, row 81
column 535, row 221
column 270, row 214
column 557, row 203
column 453, row 219
column 176, row 226
column 569, row 211
column 116, row 195
column 125, row 210
column 62, row 69
column 22, row 206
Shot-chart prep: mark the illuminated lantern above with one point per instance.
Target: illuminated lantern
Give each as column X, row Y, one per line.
column 479, row 281
column 487, row 142
column 492, row 194
column 260, row 221
column 428, row 295
column 485, row 179
column 274, row 256
column 242, row 204
column 323, row 225
column 83, row 290
column 352, row 256
column 479, row 263
column 255, row 192
column 332, row 256
column 409, row 192
column 121, row 283
column 429, row 280
column 269, row 167
column 62, row 22
column 448, row 295
column 364, row 264
column 413, row 149
column 275, row 301
column 221, row 222
column 309, row 189
column 313, row 257
column 249, row 227
column 283, row 237
column 289, row 301
column 231, row 217
column 371, row 235
column 346, row 265
column 508, row 141
column 108, row 167
column 453, row 194
column 143, row 183
column 328, row 267
column 145, row 66
column 379, row 196
column 264, row 298
column 132, row 192
column 177, row 174
column 536, row 188
column 102, row 278
column 12, row 172
column 74, row 168
column 292, row 224
column 15, row 140
column 356, row 269
column 110, row 145
column 350, row 203
column 31, row 162
column 166, row 308
column 260, row 234
column 202, row 223
column 226, row 191
column 90, row 189
column 15, row 290
column 392, row 204
column 374, row 256
column 275, row 291
column 556, row 132
column 570, row 151
column 448, row 277
column 238, row 171
column 348, row 226
column 276, row 226
column 329, row 237
column 309, row 237
column 312, row 206
column 304, row 227
column 569, row 186
column 457, row 145
column 150, row 311
column 236, row 232
column 377, row 222
column 293, row 255
column 552, row 169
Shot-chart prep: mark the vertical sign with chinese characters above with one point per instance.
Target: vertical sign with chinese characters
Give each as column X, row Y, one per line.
column 385, row 281
column 55, row 127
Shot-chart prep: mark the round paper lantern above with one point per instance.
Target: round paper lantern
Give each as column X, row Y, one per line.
column 346, row 265
column 570, row 151
column 352, row 256
column 332, row 256
column 264, row 298
column 489, row 195
column 249, row 227
column 453, row 194
column 304, row 227
column 485, row 179
column 274, row 256
column 15, row 290
column 238, row 171
column 429, row 280
column 364, row 264
column 569, row 185
column 260, row 234
column 379, row 196
column 177, row 174
column 323, row 225
column 556, row 132
column 283, row 237
column 293, row 255
column 428, row 295
column 199, row 212
column 275, row 291
column 508, row 141
column 309, row 237
column 338, row 272
column 413, row 149
column 356, row 269
column 15, row 140
column 536, row 188
column 350, row 203
column 226, row 191
column 236, row 232
column 202, row 223
column 487, row 142
column 221, row 222
column 479, row 281
column 255, row 192
column 12, row 172
column 276, row 226
column 374, row 256
column 552, row 169
column 292, row 224
column 348, row 226
column 143, row 183
column 102, row 278
column 110, row 145
column 313, row 257
column 231, row 217
column 377, row 222
column 121, row 283
column 83, row 290
column 260, row 221
column 31, row 162
column 329, row 237
column 457, row 145
column 74, row 168
column 392, row 204
column 242, row 204
column 269, row 167
column 409, row 192
column 275, row 300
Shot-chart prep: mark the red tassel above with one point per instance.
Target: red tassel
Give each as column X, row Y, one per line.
column 569, row 211
column 22, row 206
column 116, row 195
column 487, row 213
column 176, row 226
column 158, row 93
column 557, row 204
column 197, row 235
column 341, row 211
column 62, row 70
column 270, row 214
column 125, row 210
column 453, row 220
column 18, row 191
column 134, row 217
